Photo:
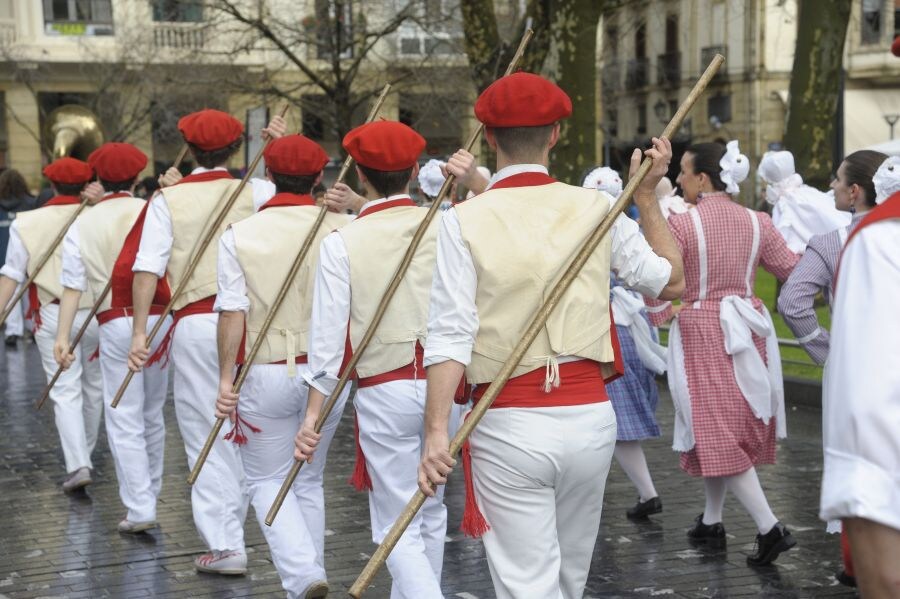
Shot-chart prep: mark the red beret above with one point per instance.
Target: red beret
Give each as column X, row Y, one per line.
column 69, row 171
column 522, row 100
column 895, row 47
column 210, row 129
column 117, row 162
column 384, row 145
column 295, row 155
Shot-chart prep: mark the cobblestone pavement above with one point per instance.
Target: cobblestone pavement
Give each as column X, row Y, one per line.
column 52, row 545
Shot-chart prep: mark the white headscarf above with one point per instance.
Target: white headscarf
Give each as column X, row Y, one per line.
column 735, row 167
column 664, row 188
column 431, row 178
column 887, row 179
column 778, row 171
column 604, row 179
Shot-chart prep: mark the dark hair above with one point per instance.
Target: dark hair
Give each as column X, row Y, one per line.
column 68, row 189
column 519, row 141
column 318, row 189
column 299, row 184
column 387, row 183
column 705, row 159
column 12, row 184
column 116, row 186
column 217, row 157
column 860, row 167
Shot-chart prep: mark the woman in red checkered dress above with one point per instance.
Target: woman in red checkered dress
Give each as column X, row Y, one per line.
column 724, row 366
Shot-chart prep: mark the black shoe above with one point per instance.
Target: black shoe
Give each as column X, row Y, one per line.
column 706, row 533
column 642, row 509
column 770, row 545
column 845, row 579
column 11, row 340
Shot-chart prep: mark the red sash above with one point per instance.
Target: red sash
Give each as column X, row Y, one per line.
column 114, row 313
column 406, row 201
column 288, row 199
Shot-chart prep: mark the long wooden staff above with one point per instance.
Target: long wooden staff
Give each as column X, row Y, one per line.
column 279, row 299
column 385, row 301
column 195, row 261
column 537, row 323
column 42, row 262
column 93, row 312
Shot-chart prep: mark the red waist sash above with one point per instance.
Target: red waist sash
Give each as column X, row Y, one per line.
column 581, row 382
column 412, row 371
column 114, row 313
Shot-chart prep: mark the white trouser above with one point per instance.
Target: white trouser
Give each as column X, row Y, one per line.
column 539, row 477
column 218, row 497
column 276, row 404
column 15, row 322
column 391, row 426
column 136, row 428
column 77, row 395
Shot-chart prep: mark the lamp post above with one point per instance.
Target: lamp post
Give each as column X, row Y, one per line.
column 891, row 121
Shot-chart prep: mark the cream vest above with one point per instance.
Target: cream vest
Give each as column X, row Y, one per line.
column 375, row 245
column 194, row 206
column 521, row 240
column 37, row 229
column 101, row 234
column 266, row 245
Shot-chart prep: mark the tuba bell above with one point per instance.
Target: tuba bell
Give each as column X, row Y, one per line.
column 72, row 130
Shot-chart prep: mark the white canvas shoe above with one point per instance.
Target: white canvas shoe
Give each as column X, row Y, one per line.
column 127, row 526
column 317, row 590
column 76, row 480
column 229, row 563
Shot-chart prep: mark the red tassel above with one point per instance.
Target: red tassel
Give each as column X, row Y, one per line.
column 461, row 395
column 360, row 479
column 162, row 351
column 236, row 434
column 845, row 552
column 95, row 355
column 473, row 522
column 34, row 308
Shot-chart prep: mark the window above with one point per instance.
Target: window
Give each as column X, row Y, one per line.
column 435, row 29
column 870, row 22
column 642, row 119
column 611, row 40
column 313, row 124
column 718, row 107
column 640, row 41
column 178, row 11
column 78, row 17
column 334, row 28
column 612, row 123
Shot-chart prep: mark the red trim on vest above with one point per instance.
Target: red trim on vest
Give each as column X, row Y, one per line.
column 360, row 479
column 116, row 195
column 889, row 209
column 114, row 313
column 288, row 199
column 528, row 179
column 62, row 201
column 384, row 206
column 203, row 177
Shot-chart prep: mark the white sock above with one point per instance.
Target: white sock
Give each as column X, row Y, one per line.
column 631, row 458
column 749, row 492
column 715, row 499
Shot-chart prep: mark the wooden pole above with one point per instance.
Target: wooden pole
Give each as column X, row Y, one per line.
column 192, row 265
column 360, row 349
column 94, row 309
column 23, row 289
column 537, row 323
column 279, row 299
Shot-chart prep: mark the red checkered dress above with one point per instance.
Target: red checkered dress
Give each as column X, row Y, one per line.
column 729, row 439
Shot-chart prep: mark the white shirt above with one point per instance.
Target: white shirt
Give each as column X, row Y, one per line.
column 453, row 315
column 232, row 285
column 157, row 238
column 331, row 309
column 16, row 265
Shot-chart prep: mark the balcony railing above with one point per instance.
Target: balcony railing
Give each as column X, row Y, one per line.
column 636, row 75
column 668, row 69
column 611, row 77
column 183, row 36
column 706, row 56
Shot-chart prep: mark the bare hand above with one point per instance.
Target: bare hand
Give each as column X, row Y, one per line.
column 661, row 155
column 138, row 354
column 436, row 464
column 462, row 166
column 62, row 355
column 92, row 192
column 340, row 198
column 226, row 402
column 277, row 128
column 170, row 177
column 306, row 441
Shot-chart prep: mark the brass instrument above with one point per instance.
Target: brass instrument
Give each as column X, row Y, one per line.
column 72, row 130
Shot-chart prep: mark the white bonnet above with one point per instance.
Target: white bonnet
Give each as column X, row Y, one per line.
column 887, row 179
column 735, row 167
column 776, row 166
column 431, row 178
column 604, row 179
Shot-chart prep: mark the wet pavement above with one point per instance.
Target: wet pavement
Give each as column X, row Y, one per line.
column 54, row 545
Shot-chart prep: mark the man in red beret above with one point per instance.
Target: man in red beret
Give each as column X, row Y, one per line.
column 255, row 256
column 537, row 462
column 136, row 430
column 176, row 220
column 77, row 395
